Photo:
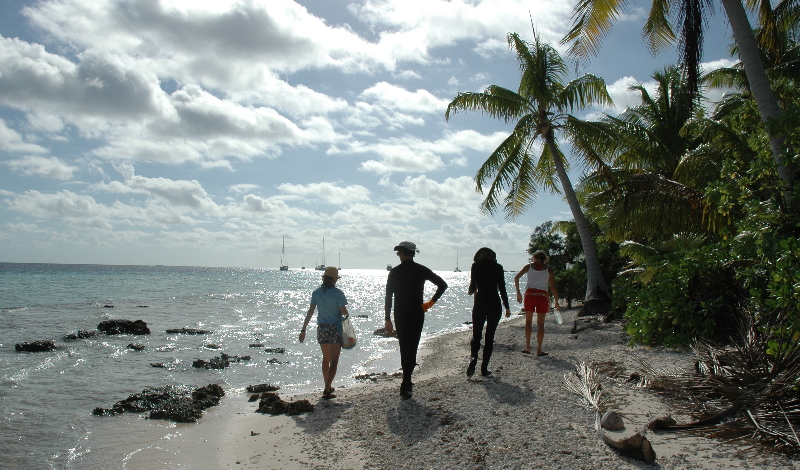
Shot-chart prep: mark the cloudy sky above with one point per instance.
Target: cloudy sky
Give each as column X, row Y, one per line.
column 202, row 132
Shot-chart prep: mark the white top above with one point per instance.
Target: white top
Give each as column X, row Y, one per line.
column 538, row 279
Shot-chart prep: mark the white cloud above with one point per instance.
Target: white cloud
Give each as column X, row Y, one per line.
column 327, row 192
column 43, row 167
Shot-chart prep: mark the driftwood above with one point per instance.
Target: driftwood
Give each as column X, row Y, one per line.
column 635, row 446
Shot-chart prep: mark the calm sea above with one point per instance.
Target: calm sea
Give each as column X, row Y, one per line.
column 47, row 397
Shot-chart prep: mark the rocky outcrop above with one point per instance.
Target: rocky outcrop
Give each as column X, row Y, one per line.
column 179, row 403
column 187, row 331
column 272, row 404
column 220, row 362
column 80, row 334
column 262, row 388
column 117, row 327
column 35, row 346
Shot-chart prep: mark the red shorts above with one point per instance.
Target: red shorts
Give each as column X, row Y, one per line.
column 536, row 301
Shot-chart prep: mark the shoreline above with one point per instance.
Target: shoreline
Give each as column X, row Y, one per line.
column 519, row 417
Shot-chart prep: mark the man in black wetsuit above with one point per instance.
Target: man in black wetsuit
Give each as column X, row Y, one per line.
column 406, row 283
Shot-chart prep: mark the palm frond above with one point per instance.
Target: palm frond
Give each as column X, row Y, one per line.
column 744, row 390
column 591, row 22
column 657, row 30
column 495, row 101
column 584, row 91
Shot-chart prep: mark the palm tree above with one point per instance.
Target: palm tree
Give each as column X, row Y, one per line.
column 540, row 108
column 592, row 19
column 654, row 185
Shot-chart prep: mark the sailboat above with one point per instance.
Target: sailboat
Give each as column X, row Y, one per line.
column 321, row 267
column 284, row 266
column 457, row 270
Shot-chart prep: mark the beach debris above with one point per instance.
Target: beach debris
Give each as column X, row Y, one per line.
column 375, row 376
column 187, row 331
column 612, row 421
column 253, row 433
column 382, row 332
column 117, row 327
column 746, row 390
column 80, row 334
column 219, row 362
column 35, row 346
column 271, row 403
column 136, row 347
column 586, row 383
column 262, row 388
column 179, row 403
column 275, row 350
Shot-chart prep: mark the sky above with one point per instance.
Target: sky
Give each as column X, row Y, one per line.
column 214, row 132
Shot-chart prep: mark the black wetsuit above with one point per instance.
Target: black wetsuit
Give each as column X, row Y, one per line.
column 487, row 278
column 406, row 283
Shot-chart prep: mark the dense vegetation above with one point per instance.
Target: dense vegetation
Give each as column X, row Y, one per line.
column 693, row 211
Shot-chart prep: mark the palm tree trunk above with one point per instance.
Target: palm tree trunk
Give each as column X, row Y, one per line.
column 759, row 85
column 595, row 284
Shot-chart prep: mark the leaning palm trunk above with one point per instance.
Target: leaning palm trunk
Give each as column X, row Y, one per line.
column 760, row 87
column 595, row 284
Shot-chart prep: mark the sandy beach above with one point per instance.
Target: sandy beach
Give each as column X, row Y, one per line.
column 519, row 417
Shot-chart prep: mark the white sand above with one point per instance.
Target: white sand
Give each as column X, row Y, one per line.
column 521, row 417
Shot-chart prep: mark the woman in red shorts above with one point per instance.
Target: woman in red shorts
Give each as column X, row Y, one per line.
column 537, row 299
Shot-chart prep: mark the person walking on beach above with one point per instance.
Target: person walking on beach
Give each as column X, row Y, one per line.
column 487, row 278
column 330, row 301
column 405, row 284
column 537, row 299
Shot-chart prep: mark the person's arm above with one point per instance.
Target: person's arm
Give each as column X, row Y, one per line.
column 310, row 313
column 501, row 286
column 387, row 308
column 441, row 286
column 343, row 312
column 516, row 282
column 553, row 288
column 472, row 284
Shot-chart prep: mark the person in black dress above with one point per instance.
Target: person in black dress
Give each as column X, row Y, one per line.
column 488, row 285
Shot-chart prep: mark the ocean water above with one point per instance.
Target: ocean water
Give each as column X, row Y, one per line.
column 47, row 397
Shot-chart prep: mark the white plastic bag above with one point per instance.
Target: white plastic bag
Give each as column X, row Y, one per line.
column 348, row 333
column 557, row 314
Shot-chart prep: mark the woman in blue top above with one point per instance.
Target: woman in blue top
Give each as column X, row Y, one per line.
column 331, row 302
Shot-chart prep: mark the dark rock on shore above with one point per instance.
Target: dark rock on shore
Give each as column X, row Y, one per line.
column 220, row 362
column 262, row 388
column 187, row 331
column 35, row 346
column 117, row 327
column 179, row 403
column 275, row 350
column 136, row 347
column 81, row 334
column 273, row 404
column 382, row 332
column 255, row 345
column 159, row 365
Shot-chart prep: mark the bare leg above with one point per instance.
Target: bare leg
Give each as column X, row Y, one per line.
column 330, row 362
column 528, row 329
column 540, row 332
